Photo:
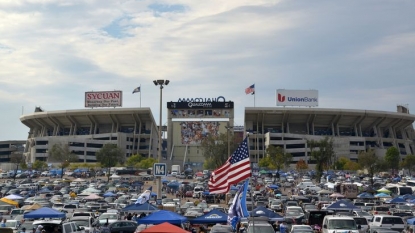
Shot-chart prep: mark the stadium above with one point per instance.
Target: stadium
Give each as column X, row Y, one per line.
column 352, row 130
column 87, row 130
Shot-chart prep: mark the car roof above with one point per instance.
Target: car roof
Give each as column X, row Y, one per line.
column 338, row 217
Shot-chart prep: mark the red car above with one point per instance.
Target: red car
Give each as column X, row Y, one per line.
column 189, row 194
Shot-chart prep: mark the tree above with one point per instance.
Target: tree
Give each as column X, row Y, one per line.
column 392, row 159
column 301, row 165
column 61, row 153
column 147, row 163
column 17, row 159
column 276, row 158
column 215, row 149
column 134, row 160
column 371, row 162
column 323, row 153
column 109, row 155
column 408, row 163
column 351, row 166
column 340, row 163
column 39, row 165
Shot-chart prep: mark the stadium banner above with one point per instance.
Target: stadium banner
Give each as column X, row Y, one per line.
column 95, row 99
column 308, row 98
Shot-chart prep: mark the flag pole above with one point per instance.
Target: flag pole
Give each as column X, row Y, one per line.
column 140, row 95
column 254, row 95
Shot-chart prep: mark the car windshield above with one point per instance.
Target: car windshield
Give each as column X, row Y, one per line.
column 82, row 223
column 342, row 224
column 11, row 224
column 363, row 214
column 404, row 207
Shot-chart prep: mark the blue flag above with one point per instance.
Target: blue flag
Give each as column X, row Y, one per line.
column 244, row 209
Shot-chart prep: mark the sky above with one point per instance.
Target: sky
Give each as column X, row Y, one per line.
column 357, row 54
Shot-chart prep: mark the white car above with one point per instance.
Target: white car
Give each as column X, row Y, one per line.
column 108, row 217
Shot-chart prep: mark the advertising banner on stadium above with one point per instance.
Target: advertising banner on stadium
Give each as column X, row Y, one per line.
column 308, row 98
column 95, row 99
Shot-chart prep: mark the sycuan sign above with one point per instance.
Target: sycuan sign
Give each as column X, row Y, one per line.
column 96, row 99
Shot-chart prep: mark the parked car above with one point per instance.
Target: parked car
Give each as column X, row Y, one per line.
column 123, row 226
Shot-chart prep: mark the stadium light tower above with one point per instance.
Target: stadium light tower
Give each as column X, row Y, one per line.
column 161, row 83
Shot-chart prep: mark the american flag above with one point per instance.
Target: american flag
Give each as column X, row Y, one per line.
column 250, row 89
column 236, row 169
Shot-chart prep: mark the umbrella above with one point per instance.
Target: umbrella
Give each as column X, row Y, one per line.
column 395, row 200
column 382, row 195
column 383, row 190
column 161, row 217
column 336, row 195
column 93, row 196
column 273, row 186
column 13, row 197
column 173, row 185
column 32, row 207
column 365, row 195
column 324, row 191
column 44, row 212
column 164, row 227
column 109, row 194
column 11, row 202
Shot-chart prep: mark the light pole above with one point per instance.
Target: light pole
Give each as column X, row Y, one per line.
column 228, row 127
column 161, row 83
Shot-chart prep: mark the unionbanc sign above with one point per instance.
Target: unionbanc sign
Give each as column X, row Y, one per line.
column 308, row 98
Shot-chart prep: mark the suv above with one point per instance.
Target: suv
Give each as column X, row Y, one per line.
column 337, row 224
column 393, row 222
column 380, row 210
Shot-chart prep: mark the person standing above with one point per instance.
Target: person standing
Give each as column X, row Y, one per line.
column 39, row 229
column 283, row 227
column 3, row 224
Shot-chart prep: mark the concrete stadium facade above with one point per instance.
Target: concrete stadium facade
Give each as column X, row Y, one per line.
column 87, row 130
column 352, row 131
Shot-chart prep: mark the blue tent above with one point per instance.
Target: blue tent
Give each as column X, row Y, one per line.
column 214, row 216
column 273, row 186
column 397, row 200
column 109, row 194
column 342, row 205
column 407, row 196
column 382, row 195
column 173, row 184
column 411, row 221
column 234, row 188
column 365, row 195
column 264, row 212
column 161, row 217
column 145, row 207
column 44, row 212
column 205, row 193
column 165, row 181
column 45, row 190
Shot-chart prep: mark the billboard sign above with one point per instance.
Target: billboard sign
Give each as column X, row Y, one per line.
column 308, row 98
column 95, row 99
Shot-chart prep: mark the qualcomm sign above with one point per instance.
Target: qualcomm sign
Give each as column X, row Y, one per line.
column 203, row 100
column 307, row 98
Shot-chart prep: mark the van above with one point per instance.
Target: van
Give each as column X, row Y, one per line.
column 392, row 222
column 336, row 223
column 4, row 175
